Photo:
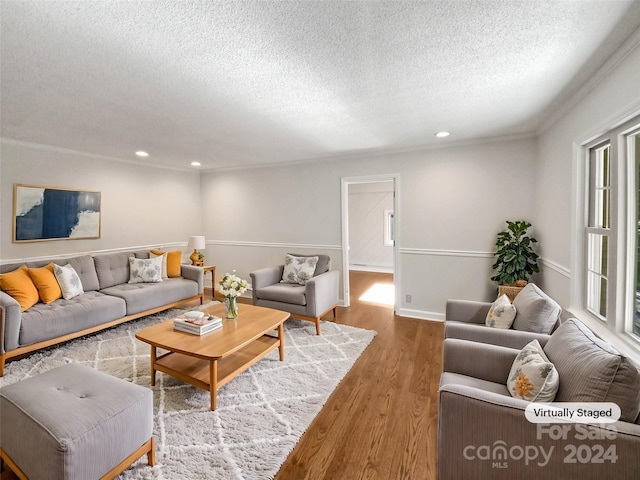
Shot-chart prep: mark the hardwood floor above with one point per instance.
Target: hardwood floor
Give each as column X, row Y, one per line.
column 381, row 421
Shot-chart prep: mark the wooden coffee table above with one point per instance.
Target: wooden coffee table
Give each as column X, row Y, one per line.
column 211, row 360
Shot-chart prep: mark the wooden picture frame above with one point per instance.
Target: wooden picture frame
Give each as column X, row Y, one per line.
column 50, row 213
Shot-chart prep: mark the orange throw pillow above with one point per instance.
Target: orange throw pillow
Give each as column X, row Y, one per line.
column 46, row 283
column 174, row 262
column 19, row 285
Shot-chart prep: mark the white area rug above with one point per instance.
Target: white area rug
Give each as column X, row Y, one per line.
column 261, row 414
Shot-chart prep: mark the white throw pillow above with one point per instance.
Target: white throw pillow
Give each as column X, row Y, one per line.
column 298, row 269
column 164, row 262
column 145, row 270
column 501, row 314
column 533, row 377
column 68, row 280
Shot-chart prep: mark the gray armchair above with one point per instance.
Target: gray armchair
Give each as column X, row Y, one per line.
column 482, row 429
column 537, row 317
column 309, row 302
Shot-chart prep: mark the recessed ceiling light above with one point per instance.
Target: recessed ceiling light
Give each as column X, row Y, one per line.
column 442, row 134
column 140, row 153
column 195, row 164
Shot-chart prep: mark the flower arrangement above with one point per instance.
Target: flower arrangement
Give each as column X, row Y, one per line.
column 232, row 286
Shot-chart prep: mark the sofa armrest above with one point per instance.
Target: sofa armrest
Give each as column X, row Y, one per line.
column 322, row 292
column 468, row 311
column 495, row 336
column 479, row 360
column 481, row 435
column 191, row 272
column 10, row 321
column 265, row 277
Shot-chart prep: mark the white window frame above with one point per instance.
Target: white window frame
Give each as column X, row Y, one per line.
column 616, row 328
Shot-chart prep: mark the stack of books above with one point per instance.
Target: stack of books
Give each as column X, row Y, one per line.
column 198, row 326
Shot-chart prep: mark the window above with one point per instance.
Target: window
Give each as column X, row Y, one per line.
column 388, row 228
column 598, row 229
column 634, row 166
column 611, row 230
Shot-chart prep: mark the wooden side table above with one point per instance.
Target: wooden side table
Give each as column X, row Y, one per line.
column 212, row 269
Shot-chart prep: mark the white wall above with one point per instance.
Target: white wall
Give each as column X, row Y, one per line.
column 452, row 203
column 141, row 206
column 368, row 203
column 616, row 96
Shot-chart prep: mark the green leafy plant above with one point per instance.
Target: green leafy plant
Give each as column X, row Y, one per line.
column 515, row 258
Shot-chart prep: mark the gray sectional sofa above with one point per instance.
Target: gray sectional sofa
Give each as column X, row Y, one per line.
column 108, row 300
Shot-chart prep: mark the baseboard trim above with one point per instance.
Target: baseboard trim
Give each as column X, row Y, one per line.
column 421, row 314
column 371, row 268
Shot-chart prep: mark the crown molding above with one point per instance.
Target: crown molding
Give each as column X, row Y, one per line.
column 629, row 46
column 93, row 156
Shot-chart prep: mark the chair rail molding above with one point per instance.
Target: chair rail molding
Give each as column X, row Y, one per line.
column 243, row 243
column 446, row 253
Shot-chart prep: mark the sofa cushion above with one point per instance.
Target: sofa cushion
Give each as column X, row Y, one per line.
column 501, row 314
column 533, row 377
column 45, row 281
column 112, row 268
column 145, row 296
column 536, row 311
column 592, row 370
column 86, row 270
column 69, row 281
column 44, row 322
column 18, row 284
column 145, row 270
column 284, row 292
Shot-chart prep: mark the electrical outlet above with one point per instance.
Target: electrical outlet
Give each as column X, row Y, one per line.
column 407, row 298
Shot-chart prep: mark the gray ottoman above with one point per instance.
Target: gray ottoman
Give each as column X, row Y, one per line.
column 75, row 422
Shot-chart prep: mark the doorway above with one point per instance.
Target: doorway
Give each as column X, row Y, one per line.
column 369, row 238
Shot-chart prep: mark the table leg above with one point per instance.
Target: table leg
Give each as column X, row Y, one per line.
column 281, row 337
column 153, row 365
column 213, row 383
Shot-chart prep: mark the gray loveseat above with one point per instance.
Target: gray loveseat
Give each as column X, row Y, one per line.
column 483, row 431
column 108, row 300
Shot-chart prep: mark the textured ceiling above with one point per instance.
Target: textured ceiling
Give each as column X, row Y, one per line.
column 254, row 82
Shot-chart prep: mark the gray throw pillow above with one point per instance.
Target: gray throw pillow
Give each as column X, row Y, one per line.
column 591, row 370
column 536, row 311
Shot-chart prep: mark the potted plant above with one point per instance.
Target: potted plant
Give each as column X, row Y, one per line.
column 515, row 259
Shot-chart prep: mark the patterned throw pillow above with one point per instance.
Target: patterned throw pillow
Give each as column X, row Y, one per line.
column 533, row 377
column 145, row 270
column 298, row 269
column 501, row 314
column 153, row 254
column 68, row 280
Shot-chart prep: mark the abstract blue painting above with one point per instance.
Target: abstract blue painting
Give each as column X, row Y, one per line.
column 47, row 213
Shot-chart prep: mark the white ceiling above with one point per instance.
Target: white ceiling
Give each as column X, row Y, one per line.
column 254, row 82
